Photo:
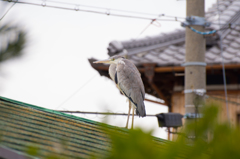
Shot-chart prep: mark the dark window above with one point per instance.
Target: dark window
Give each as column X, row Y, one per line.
column 215, row 80
column 238, row 119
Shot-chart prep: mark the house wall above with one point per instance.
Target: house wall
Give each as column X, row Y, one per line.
column 233, row 106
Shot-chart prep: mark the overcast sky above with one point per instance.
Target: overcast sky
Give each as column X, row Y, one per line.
column 55, row 64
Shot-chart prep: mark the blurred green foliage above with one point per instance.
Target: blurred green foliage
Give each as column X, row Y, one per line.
column 212, row 140
column 12, row 42
column 135, row 144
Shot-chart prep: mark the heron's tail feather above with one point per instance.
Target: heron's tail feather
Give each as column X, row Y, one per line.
column 140, row 110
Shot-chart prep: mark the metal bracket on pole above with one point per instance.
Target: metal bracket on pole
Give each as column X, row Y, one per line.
column 192, row 116
column 197, row 91
column 194, row 64
column 195, row 20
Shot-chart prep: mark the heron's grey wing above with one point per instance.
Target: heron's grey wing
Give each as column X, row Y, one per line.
column 142, row 86
column 130, row 83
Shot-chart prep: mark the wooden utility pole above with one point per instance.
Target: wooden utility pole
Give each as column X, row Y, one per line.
column 195, row 70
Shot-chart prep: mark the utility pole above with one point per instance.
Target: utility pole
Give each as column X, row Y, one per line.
column 195, row 66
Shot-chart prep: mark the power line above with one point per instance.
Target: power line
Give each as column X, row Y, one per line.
column 221, row 99
column 7, row 11
column 223, row 66
column 101, row 113
column 76, row 91
column 119, row 10
column 217, row 98
column 229, row 24
column 231, row 96
column 106, row 12
column 151, row 23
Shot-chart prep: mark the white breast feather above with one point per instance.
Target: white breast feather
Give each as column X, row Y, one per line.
column 120, row 62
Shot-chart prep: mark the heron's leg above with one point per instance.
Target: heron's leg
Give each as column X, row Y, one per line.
column 128, row 113
column 132, row 116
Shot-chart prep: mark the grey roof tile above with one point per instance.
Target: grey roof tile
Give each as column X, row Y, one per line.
column 151, row 58
column 164, row 57
column 234, row 8
column 231, row 50
column 135, row 58
column 229, row 12
column 236, row 3
column 179, row 57
column 143, row 60
column 224, row 18
column 215, row 25
column 226, row 3
column 234, row 32
column 214, row 50
column 235, row 45
column 236, row 59
column 154, row 52
column 227, row 56
column 230, row 37
column 172, row 47
column 176, row 61
column 210, row 56
column 218, row 59
column 182, row 50
column 214, row 8
column 238, row 54
column 237, row 40
column 208, row 60
column 237, row 28
column 226, row 41
column 169, row 52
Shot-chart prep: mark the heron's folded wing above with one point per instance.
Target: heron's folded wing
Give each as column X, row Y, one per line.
column 130, row 83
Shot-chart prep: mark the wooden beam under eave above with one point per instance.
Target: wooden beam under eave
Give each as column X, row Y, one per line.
column 153, row 101
column 160, row 94
column 208, row 67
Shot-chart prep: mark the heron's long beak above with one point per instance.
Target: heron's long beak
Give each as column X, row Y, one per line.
column 102, row 61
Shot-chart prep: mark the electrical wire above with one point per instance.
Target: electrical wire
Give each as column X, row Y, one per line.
column 231, row 24
column 231, row 96
column 7, row 11
column 221, row 99
column 101, row 113
column 151, row 23
column 76, row 91
column 223, row 66
column 119, row 10
column 107, row 11
column 112, row 9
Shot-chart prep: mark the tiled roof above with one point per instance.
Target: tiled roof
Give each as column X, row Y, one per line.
column 169, row 49
column 23, row 125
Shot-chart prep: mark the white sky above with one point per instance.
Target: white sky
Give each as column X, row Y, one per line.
column 55, row 63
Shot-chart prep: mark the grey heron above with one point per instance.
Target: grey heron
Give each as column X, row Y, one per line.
column 128, row 80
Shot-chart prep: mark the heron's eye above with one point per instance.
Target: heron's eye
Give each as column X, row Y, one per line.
column 113, row 59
